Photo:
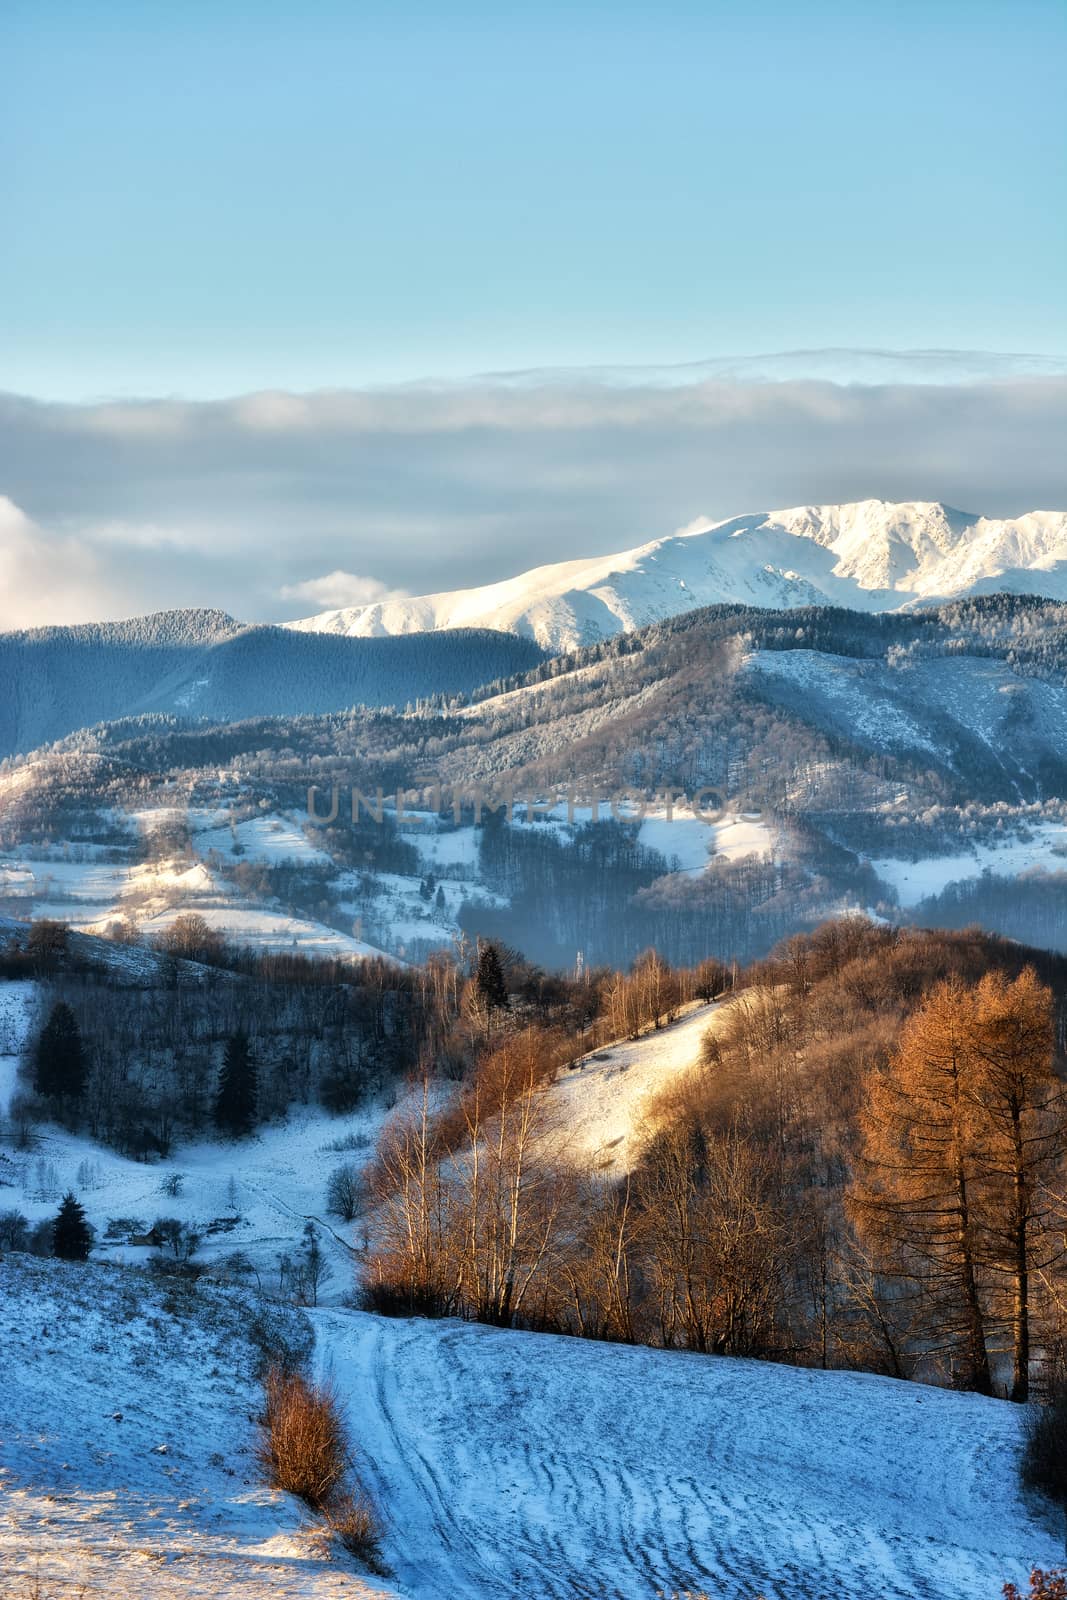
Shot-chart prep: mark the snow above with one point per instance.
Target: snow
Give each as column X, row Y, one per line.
column 687, row 840
column 278, row 1177
column 18, row 1000
column 505, row 1463
column 448, row 847
column 1045, row 850
column 90, row 895
column 870, row 555
column 695, row 843
column 599, row 1104
column 271, row 839
column 265, row 928
column 853, row 693
column 528, row 1464
column 278, row 1180
column 127, row 1414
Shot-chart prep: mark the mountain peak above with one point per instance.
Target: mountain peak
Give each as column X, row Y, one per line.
column 870, row 555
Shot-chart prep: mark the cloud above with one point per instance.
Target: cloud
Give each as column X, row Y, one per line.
column 339, row 589
column 45, row 579
column 272, row 504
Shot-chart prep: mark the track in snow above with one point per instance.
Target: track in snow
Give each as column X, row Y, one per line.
column 524, row 1464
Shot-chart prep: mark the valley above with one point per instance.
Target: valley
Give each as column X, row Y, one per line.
column 533, row 802
column 910, row 767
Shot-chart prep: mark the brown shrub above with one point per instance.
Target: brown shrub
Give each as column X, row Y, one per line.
column 304, row 1449
column 1043, row 1586
column 353, row 1520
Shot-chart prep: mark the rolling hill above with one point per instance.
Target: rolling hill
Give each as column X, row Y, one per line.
column 204, row 664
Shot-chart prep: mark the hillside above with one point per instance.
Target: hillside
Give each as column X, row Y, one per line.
column 851, row 762
column 504, row 1461
column 203, row 664
column 599, row 1104
column 507, row 1463
column 869, row 556
column 143, row 1480
column 517, row 1463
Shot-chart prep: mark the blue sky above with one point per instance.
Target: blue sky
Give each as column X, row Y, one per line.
column 205, row 199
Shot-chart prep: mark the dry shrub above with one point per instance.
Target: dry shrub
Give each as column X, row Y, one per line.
column 354, row 1521
column 304, row 1449
column 1043, row 1586
column 1044, row 1464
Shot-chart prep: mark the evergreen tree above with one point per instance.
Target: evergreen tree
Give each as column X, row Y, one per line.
column 59, row 1064
column 492, row 989
column 72, row 1238
column 235, row 1103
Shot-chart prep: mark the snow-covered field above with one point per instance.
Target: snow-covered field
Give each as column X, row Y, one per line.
column 688, row 840
column 505, row 1463
column 267, row 928
column 254, row 1196
column 90, row 895
column 528, row 1464
column 693, row 843
column 271, row 839
column 1045, row 850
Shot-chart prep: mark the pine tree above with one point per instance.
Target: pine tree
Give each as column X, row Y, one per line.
column 72, row 1237
column 492, row 989
column 59, row 1064
column 235, row 1103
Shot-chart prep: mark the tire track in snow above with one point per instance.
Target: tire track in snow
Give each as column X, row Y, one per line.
column 512, row 1463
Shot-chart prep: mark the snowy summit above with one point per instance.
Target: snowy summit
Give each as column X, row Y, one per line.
column 873, row 555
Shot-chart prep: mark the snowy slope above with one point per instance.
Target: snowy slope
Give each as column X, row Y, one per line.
column 127, row 1425
column 599, row 1104
column 533, row 1465
column 254, row 1196
column 93, row 893
column 871, row 556
column 968, row 713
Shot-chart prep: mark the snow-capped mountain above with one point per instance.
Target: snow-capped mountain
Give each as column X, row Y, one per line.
column 872, row 555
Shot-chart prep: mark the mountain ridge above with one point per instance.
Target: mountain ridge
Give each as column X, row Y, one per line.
column 204, row 664
column 869, row 555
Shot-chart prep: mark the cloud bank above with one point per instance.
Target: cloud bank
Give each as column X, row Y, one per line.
column 273, row 505
column 337, row 589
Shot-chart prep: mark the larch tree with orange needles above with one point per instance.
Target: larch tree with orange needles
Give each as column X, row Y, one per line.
column 916, row 1196
column 1020, row 1108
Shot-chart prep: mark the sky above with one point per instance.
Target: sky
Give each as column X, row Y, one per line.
column 214, row 197
column 209, row 200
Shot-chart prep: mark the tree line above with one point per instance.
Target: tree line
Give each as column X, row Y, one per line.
column 867, row 1169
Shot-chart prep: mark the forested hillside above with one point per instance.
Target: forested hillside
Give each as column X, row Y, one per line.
column 778, row 767
column 203, row 664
